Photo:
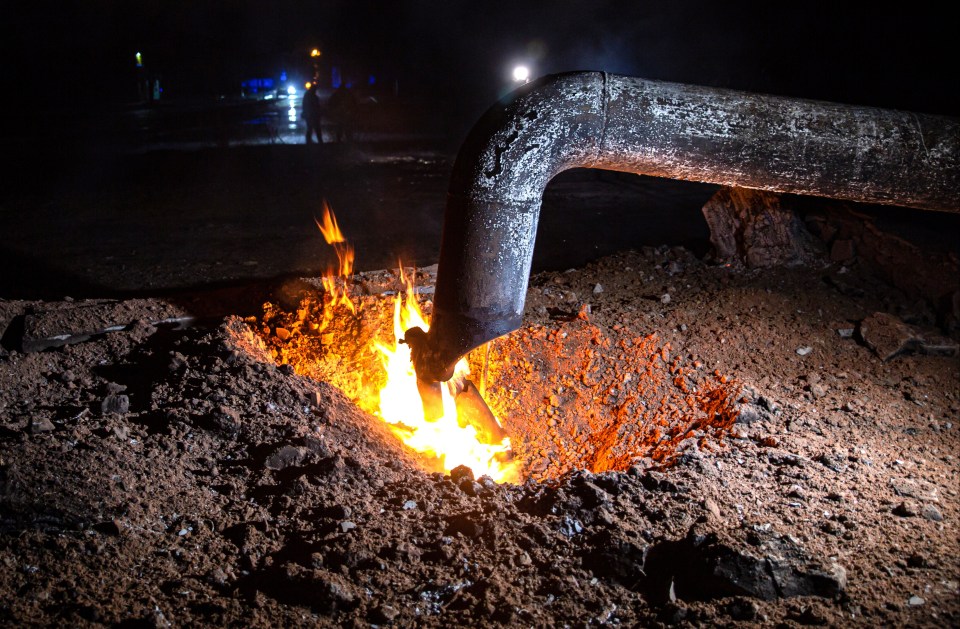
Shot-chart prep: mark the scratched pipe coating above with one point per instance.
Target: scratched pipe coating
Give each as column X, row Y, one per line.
column 691, row 133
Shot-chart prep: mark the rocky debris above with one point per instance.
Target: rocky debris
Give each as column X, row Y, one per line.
column 930, row 512
column 875, row 240
column 888, row 337
column 235, row 491
column 119, row 404
column 42, row 425
column 702, row 567
column 753, row 228
column 285, row 457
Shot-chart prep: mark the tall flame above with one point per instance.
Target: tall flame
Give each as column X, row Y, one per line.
column 400, row 404
column 344, row 250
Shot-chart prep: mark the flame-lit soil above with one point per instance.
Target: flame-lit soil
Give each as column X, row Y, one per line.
column 225, row 473
column 570, row 395
column 576, row 397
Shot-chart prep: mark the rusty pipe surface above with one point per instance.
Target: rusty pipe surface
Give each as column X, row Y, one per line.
column 655, row 128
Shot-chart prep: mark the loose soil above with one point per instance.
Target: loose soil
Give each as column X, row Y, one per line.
column 701, row 444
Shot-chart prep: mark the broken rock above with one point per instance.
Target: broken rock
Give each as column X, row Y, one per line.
column 41, row 425
column 704, row 568
column 117, row 404
column 752, row 227
column 285, row 457
column 887, row 335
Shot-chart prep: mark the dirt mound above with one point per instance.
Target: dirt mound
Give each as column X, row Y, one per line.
column 169, row 473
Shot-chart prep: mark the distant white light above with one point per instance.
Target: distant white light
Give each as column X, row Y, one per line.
column 521, row 74
column 292, row 91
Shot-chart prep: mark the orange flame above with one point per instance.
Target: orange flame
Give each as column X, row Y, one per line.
column 400, row 404
column 344, row 250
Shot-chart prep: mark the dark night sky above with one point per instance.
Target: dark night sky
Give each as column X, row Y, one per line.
column 859, row 53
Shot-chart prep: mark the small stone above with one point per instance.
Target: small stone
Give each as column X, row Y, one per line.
column 749, row 414
column 768, row 441
column 118, row 404
column 570, row 527
column 470, row 487
column 218, row 577
column 931, row 513
column 42, row 425
column 845, row 331
column 286, row 456
column 832, row 528
column 813, row 614
column 347, row 525
column 817, row 391
column 460, row 472
column 915, row 601
column 796, row 491
column 887, row 335
column 409, row 505
column 597, row 289
column 407, row 552
column 665, row 298
column 283, row 334
column 831, row 461
column 803, row 351
column 712, row 508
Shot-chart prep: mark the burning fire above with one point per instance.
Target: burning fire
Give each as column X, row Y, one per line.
column 334, row 282
column 451, row 439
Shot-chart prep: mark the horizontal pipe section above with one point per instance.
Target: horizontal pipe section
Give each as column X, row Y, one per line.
column 655, row 128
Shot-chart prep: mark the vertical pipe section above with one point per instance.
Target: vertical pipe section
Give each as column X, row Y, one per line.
column 655, row 128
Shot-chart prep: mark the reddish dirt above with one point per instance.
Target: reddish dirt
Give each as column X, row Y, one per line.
column 703, row 445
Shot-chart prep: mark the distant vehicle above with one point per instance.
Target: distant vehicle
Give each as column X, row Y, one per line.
column 259, row 89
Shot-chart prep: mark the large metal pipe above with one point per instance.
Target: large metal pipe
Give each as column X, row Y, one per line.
column 692, row 133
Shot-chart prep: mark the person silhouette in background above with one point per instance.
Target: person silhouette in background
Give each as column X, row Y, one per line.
column 343, row 112
column 311, row 114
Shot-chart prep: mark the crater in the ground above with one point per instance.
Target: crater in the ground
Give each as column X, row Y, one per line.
column 570, row 393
